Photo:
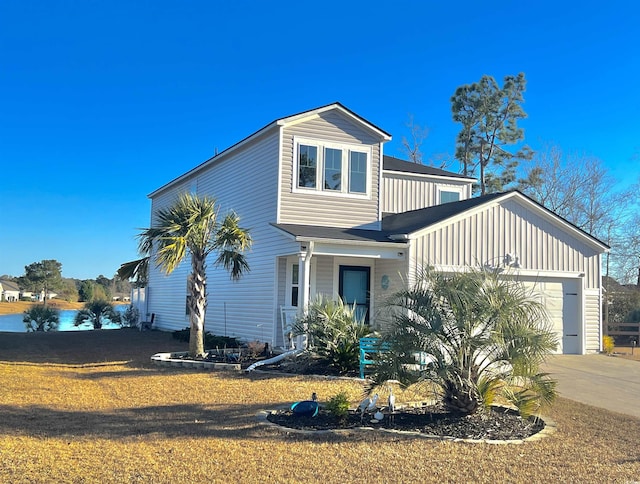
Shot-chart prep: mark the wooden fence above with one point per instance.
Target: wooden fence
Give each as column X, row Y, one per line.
column 624, row 333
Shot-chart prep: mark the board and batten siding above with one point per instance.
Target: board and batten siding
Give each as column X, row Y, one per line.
column 402, row 193
column 395, row 272
column 245, row 181
column 484, row 237
column 300, row 207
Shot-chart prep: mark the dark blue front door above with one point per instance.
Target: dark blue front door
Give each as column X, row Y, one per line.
column 355, row 288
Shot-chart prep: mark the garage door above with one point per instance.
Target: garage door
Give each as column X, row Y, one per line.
column 561, row 298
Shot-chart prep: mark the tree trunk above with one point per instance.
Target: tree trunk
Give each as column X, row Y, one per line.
column 461, row 400
column 197, row 306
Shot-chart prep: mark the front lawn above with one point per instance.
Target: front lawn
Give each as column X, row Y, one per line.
column 89, row 407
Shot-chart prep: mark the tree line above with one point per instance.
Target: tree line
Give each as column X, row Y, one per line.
column 577, row 187
column 45, row 277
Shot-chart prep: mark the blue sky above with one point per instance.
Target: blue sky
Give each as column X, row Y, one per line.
column 102, row 102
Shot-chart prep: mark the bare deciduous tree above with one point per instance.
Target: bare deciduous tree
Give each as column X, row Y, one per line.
column 417, row 135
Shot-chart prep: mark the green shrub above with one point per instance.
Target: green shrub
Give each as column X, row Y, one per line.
column 130, row 316
column 338, row 405
column 215, row 341
column 41, row 318
column 210, row 340
column 483, row 336
column 608, row 344
column 333, row 330
column 182, row 335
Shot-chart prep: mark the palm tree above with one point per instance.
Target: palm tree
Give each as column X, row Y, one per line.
column 474, row 336
column 41, row 318
column 96, row 312
column 333, row 329
column 191, row 226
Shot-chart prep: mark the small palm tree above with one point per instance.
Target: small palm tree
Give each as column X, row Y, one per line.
column 41, row 318
column 192, row 226
column 97, row 312
column 478, row 334
column 333, row 329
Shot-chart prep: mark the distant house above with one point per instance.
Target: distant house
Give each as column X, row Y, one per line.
column 9, row 291
column 330, row 214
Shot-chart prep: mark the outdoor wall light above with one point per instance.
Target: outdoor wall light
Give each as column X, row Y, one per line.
column 511, row 260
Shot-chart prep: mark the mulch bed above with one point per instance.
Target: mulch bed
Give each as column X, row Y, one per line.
column 495, row 424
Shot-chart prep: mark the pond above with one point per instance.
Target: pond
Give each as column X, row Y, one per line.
column 13, row 322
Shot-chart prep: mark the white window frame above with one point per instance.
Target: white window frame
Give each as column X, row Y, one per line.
column 346, row 149
column 458, row 190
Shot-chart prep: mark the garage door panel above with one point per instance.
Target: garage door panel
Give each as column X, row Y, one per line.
column 561, row 300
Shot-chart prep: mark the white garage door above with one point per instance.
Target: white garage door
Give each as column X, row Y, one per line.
column 561, row 298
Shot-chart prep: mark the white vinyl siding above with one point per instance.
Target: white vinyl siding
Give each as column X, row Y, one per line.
column 487, row 235
column 327, row 207
column 246, row 308
column 593, row 328
column 324, row 277
column 404, row 192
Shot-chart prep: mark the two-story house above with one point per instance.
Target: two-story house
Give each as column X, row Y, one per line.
column 330, row 214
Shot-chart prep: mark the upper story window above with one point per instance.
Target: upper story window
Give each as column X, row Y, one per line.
column 333, row 168
column 447, row 196
column 307, row 166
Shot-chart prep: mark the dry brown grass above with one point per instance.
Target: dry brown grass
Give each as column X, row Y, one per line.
column 21, row 306
column 627, row 352
column 89, row 407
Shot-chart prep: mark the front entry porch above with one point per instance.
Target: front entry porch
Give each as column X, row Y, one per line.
column 359, row 276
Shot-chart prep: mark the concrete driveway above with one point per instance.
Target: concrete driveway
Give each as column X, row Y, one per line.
column 598, row 380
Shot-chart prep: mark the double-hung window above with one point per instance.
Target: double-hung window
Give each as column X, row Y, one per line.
column 333, row 168
column 307, row 166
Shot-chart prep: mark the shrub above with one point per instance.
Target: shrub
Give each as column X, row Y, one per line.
column 333, row 330
column 96, row 313
column 481, row 335
column 41, row 318
column 608, row 344
column 255, row 348
column 338, row 405
column 210, row 340
column 130, row 316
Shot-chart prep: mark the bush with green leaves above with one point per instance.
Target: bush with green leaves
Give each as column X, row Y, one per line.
column 481, row 335
column 41, row 318
column 130, row 317
column 333, row 331
column 338, row 405
column 97, row 313
column 211, row 341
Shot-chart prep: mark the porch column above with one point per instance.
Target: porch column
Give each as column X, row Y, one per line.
column 304, row 284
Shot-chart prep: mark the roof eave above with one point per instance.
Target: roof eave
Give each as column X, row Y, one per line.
column 543, row 211
column 223, row 154
column 424, row 175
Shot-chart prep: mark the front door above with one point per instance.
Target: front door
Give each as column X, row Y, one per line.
column 354, row 289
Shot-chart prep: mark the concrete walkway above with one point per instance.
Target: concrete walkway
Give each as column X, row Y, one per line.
column 598, row 380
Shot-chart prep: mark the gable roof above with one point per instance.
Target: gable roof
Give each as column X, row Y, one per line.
column 414, row 220
column 294, row 118
column 401, row 225
column 391, row 163
column 9, row 286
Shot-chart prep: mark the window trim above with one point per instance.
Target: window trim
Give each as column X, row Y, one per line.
column 346, row 149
